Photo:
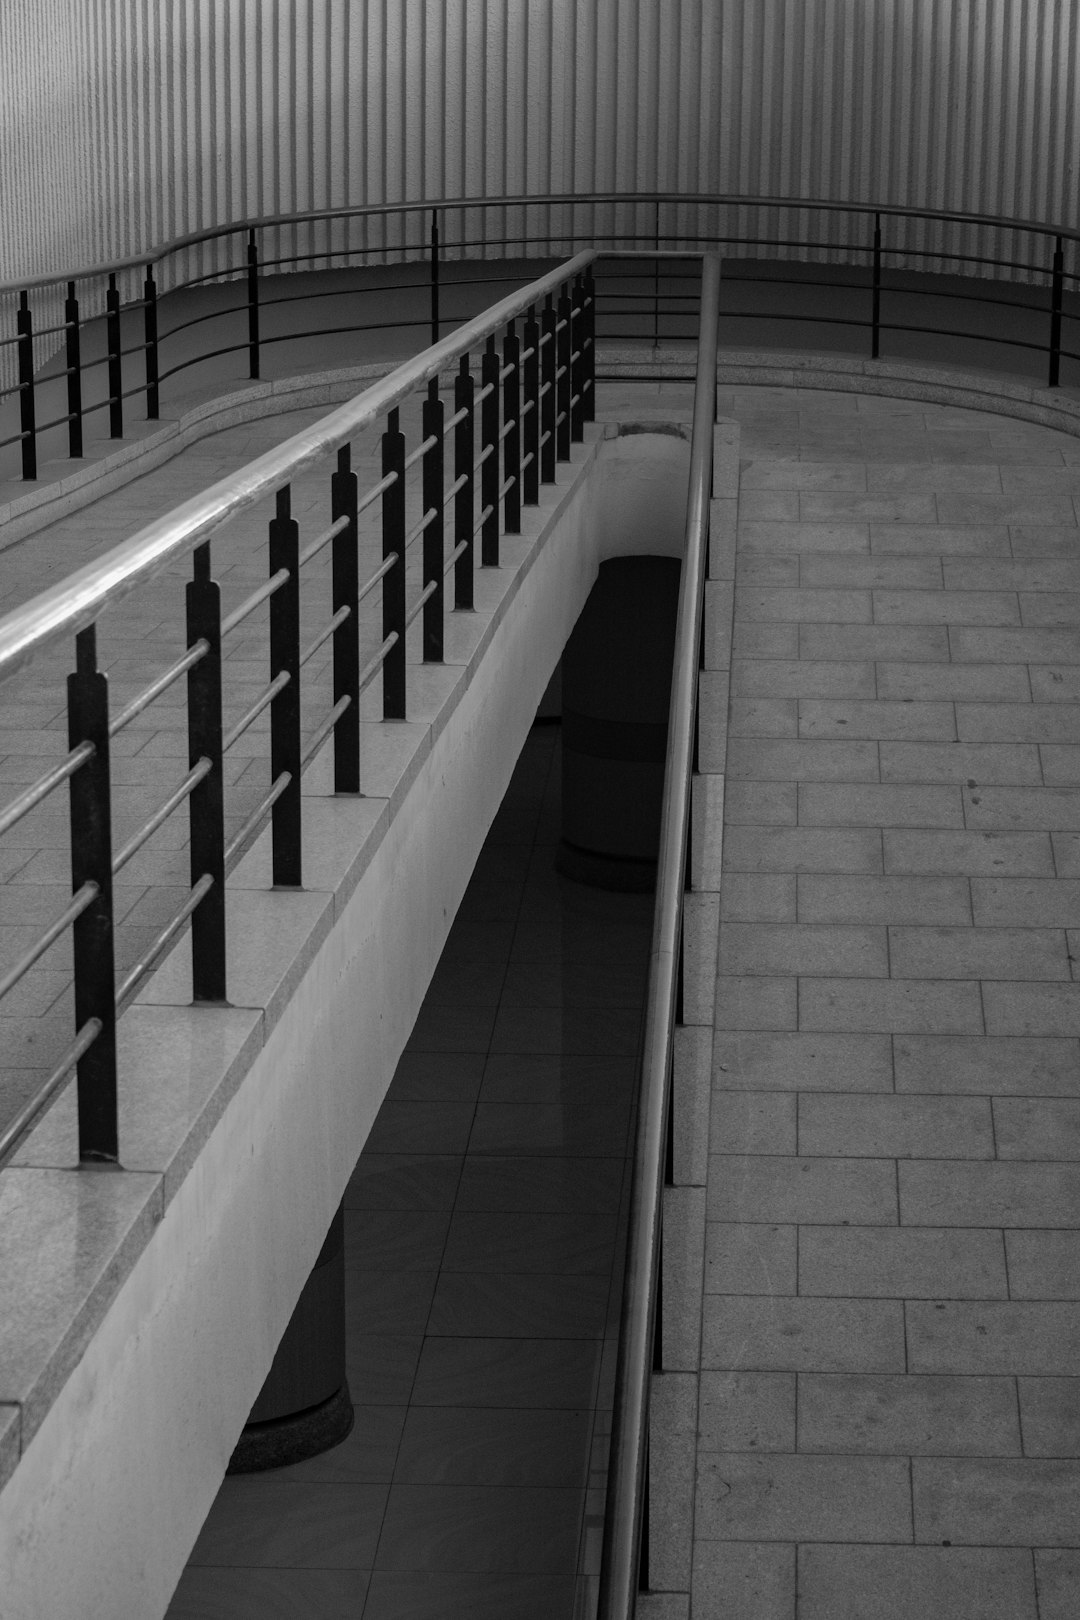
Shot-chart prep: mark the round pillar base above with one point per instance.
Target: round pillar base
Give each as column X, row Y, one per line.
column 292, row 1439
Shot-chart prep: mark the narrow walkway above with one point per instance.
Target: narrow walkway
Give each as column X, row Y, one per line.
column 889, row 1418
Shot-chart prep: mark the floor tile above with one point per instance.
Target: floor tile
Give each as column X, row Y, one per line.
column 480, row 1445
column 505, row 1304
column 269, row 1594
column 506, row 1372
column 908, row 1415
column 395, row 1595
column 897, row 1583
column 262, row 1521
column 480, row 1529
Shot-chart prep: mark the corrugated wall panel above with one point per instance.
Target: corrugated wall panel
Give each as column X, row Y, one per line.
column 124, row 122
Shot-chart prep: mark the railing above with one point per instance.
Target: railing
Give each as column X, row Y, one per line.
column 640, row 1339
column 665, row 238
column 534, row 398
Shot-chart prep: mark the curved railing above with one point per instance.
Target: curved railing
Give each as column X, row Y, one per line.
column 532, row 400
column 628, row 1461
column 652, row 222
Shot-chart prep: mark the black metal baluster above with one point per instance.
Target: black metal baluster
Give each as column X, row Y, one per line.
column 465, row 499
column 393, row 585
column 207, row 803
column 253, row 304
column 151, row 351
column 24, row 326
column 590, row 346
column 548, row 363
column 346, row 590
column 489, row 444
column 530, row 421
column 875, row 336
column 577, row 363
column 91, row 862
column 116, row 363
column 562, row 392
column 432, row 498
column 74, row 372
column 511, row 404
column 1057, row 299
column 285, row 706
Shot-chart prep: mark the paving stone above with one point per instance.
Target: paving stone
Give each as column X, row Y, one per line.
column 804, row 537
column 838, row 718
column 1042, row 540
column 757, row 896
column 780, row 1189
column 763, row 717
column 743, row 1580
column 974, row 854
column 745, row 1122
column 785, row 1062
column 768, row 505
column 1049, row 609
column 882, row 899
column 1025, row 902
column 823, row 506
column 989, row 683
column 979, row 574
column 968, row 1193
column 1032, row 1009
column 810, row 849
column 793, row 678
column 764, row 640
column 946, row 607
column 896, row 1127
column 777, row 1332
column 1050, row 1416
column 978, row 480
column 1005, row 1502
column 1015, row 646
column 1049, row 807
column 881, row 1262
column 778, row 948
column 768, row 569
column 903, row 1006
column 960, row 762
column 747, row 1411
column 873, row 573
column 1060, row 762
column 803, row 1498
column 788, row 473
column 978, row 953
column 1007, row 508
column 1043, row 1128
column 803, row 606
column 930, row 1583
column 1039, row 1066
column 786, row 761
column 876, row 804
column 1066, row 847
column 913, row 1415
column 1019, row 722
column 994, row 1336
column 1043, row 1264
column 937, row 540
column 756, row 1003
column 769, row 804
column 1060, row 685
column 924, row 643
column 1058, row 1582
column 750, row 1259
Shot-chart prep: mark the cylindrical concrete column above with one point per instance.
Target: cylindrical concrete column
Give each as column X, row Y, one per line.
column 304, row 1406
column 616, row 690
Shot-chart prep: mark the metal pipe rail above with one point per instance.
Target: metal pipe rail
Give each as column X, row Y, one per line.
column 628, row 1463
column 74, row 605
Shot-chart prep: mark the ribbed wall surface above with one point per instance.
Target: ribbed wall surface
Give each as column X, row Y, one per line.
column 126, row 122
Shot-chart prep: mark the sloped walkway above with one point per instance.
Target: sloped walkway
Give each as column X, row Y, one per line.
column 889, row 1406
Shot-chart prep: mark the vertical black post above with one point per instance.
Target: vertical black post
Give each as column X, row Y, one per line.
column 253, row 304
column 285, row 707
column 150, row 334
column 393, row 585
column 346, row 590
column 875, row 336
column 434, row 276
column 74, row 372
column 464, row 500
column 489, row 442
column 511, row 403
column 24, row 326
column 548, row 366
column 116, row 363
column 206, row 806
column 590, row 346
column 530, row 421
column 562, row 392
column 432, row 499
column 577, row 362
column 1057, row 298
column 91, row 862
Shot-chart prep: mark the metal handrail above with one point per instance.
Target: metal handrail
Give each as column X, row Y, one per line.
column 178, row 244
column 630, row 1418
column 77, row 601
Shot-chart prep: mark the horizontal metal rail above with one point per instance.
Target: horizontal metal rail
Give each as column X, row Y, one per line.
column 129, row 987
column 161, row 814
column 18, row 808
column 17, row 1127
column 85, row 897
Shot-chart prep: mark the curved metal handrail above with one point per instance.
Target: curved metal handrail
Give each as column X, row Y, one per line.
column 630, row 1419
column 76, row 601
column 214, row 233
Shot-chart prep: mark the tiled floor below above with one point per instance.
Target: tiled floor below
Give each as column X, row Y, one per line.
column 483, row 1278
